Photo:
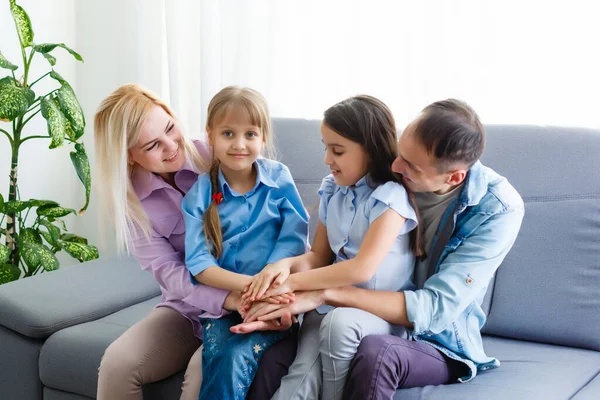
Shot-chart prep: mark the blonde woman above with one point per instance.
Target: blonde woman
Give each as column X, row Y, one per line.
column 146, row 166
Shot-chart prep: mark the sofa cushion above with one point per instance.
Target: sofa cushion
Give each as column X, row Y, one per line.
column 528, row 371
column 41, row 305
column 70, row 358
column 548, row 287
column 591, row 391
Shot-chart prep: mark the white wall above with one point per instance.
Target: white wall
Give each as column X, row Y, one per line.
column 43, row 173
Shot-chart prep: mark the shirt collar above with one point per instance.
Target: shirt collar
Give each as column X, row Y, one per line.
column 145, row 182
column 262, row 176
column 364, row 181
column 475, row 187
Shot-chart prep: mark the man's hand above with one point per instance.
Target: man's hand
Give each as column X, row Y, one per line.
column 272, row 275
column 284, row 323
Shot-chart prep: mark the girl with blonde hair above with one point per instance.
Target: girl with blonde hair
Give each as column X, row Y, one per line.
column 241, row 217
column 146, row 165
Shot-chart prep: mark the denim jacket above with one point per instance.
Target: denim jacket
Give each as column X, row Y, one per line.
column 476, row 232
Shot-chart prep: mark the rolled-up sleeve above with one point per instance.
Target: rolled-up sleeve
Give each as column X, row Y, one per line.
column 197, row 253
column 293, row 236
column 157, row 255
column 463, row 274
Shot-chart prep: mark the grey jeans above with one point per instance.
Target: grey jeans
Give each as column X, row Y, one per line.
column 326, row 346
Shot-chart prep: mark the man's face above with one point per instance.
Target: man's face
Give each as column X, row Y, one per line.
column 419, row 169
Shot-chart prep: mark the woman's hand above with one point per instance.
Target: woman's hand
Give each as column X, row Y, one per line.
column 233, row 302
column 273, row 275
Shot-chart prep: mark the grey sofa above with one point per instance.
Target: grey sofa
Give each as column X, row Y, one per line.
column 543, row 306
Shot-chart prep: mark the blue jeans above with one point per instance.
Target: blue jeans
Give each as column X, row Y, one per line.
column 229, row 360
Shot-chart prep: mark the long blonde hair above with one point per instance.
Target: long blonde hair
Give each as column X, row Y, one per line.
column 227, row 100
column 117, row 126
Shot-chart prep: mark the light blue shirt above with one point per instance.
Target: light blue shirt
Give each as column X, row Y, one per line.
column 348, row 211
column 483, row 223
column 260, row 227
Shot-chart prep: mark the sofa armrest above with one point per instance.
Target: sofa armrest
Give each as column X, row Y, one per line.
column 37, row 307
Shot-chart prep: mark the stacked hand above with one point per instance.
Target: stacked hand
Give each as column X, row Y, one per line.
column 267, row 288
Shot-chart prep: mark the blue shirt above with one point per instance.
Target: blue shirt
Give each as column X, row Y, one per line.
column 482, row 223
column 348, row 211
column 260, row 227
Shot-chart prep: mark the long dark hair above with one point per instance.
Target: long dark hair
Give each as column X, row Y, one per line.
column 369, row 122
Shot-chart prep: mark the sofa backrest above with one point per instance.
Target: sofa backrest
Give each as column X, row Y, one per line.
column 548, row 287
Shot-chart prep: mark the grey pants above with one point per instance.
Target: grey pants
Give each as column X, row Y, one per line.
column 326, row 346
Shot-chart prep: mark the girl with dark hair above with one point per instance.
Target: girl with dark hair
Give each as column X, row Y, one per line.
column 366, row 236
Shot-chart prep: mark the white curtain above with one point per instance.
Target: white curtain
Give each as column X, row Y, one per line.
column 532, row 61
column 513, row 61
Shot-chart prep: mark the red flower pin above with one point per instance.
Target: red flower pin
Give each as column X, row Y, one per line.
column 218, row 198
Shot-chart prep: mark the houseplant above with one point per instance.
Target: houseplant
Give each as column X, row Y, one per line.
column 32, row 231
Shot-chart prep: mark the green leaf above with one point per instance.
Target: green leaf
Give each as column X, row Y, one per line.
column 62, row 223
column 4, row 254
column 69, row 237
column 37, row 254
column 30, row 95
column 13, row 101
column 72, row 110
column 40, row 203
column 29, row 235
column 51, row 59
column 9, row 273
column 1, row 203
column 55, row 75
column 68, row 129
column 80, row 251
column 56, row 122
column 48, row 238
column 48, row 47
column 53, row 211
column 9, row 80
column 81, row 163
column 53, row 230
column 23, row 23
column 4, row 63
column 15, row 206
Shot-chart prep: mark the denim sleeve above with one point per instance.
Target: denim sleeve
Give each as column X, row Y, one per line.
column 463, row 274
column 197, row 253
column 293, row 236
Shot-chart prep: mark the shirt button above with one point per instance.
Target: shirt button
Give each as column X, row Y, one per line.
column 233, row 246
column 244, row 229
column 351, row 208
column 243, row 199
column 344, row 239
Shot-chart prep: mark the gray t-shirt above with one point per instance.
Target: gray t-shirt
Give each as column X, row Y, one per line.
column 431, row 208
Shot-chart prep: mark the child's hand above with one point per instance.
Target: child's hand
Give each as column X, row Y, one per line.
column 273, row 275
column 279, row 290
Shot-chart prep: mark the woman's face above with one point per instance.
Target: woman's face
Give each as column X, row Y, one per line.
column 159, row 148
